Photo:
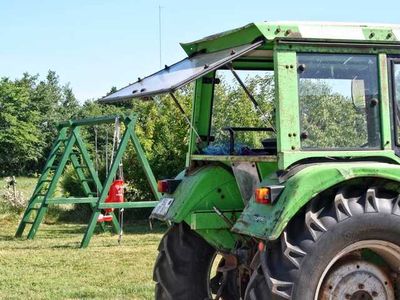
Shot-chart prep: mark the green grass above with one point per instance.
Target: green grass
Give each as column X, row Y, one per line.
column 53, row 267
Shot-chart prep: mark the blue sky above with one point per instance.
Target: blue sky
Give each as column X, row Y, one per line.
column 94, row 45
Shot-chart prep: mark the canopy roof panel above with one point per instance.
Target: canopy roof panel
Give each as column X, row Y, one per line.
column 180, row 73
column 270, row 31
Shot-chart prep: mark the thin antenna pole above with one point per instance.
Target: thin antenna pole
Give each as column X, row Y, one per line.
column 159, row 33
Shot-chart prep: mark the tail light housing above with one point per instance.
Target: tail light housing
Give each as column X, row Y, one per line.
column 167, row 186
column 263, row 195
column 268, row 194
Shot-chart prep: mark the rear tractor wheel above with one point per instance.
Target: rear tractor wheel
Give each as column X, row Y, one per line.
column 341, row 247
column 186, row 269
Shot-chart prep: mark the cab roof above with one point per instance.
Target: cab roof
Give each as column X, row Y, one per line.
column 270, row 31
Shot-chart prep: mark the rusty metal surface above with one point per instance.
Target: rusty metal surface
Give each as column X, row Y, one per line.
column 357, row 280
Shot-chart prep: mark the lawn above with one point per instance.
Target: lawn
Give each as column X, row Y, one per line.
column 54, row 267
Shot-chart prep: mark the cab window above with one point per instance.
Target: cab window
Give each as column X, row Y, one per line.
column 338, row 98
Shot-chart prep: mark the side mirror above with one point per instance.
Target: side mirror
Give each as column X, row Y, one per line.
column 358, row 94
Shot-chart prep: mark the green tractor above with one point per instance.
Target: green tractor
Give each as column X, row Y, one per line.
column 310, row 207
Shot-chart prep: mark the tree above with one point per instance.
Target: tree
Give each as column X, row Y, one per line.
column 20, row 143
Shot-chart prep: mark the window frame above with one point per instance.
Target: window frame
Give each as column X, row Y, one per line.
column 379, row 96
column 392, row 61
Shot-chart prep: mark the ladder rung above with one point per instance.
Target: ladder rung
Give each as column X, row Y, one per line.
column 40, row 195
column 82, row 167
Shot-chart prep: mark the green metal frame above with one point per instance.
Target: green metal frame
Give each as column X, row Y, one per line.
column 69, row 147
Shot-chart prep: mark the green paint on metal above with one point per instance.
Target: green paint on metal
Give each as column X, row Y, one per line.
column 210, row 220
column 385, row 102
column 198, row 193
column 206, row 187
column 267, row 169
column 296, row 31
column 287, row 107
column 268, row 221
column 233, row 158
column 201, row 110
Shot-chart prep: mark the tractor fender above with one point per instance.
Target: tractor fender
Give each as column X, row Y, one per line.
column 201, row 190
column 268, row 221
column 194, row 200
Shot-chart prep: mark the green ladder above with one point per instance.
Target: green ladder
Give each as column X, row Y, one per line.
column 69, row 147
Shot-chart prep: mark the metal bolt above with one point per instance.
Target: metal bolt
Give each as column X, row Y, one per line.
column 371, row 35
column 389, row 35
column 205, row 66
column 290, row 135
column 233, row 52
column 348, row 296
column 288, row 32
column 278, row 30
column 293, row 147
column 301, row 68
column 361, row 286
column 374, row 294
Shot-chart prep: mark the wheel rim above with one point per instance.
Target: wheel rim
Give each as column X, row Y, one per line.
column 348, row 276
column 212, row 271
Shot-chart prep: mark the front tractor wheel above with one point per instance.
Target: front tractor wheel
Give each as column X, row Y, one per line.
column 345, row 247
column 186, row 269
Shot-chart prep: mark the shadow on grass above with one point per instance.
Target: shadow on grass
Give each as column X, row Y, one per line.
column 57, row 232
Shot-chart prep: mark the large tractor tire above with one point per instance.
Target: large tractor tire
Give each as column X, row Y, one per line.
column 344, row 245
column 183, row 267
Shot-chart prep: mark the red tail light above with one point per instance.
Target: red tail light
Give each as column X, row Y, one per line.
column 162, row 186
column 263, row 195
column 167, row 185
